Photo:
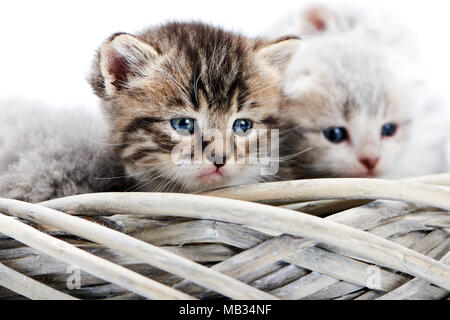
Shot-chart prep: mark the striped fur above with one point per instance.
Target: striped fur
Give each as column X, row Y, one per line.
column 187, row 70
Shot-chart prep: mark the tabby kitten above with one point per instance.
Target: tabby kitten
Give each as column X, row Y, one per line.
column 182, row 98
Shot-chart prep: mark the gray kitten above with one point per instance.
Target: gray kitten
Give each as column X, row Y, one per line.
column 49, row 153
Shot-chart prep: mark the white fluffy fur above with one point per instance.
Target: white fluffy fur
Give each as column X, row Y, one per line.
column 349, row 16
column 354, row 44
column 426, row 151
column 47, row 153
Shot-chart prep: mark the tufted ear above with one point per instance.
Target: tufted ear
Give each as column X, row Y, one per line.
column 319, row 18
column 121, row 59
column 278, row 53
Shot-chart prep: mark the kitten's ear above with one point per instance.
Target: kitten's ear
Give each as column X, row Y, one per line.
column 319, row 18
column 278, row 53
column 120, row 59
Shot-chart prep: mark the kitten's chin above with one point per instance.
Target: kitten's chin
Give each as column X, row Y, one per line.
column 366, row 175
column 223, row 177
column 363, row 174
column 196, row 180
column 212, row 177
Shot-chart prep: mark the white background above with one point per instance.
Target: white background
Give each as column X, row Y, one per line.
column 46, row 47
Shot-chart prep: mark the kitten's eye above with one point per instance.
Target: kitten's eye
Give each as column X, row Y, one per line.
column 183, row 124
column 335, row 135
column 388, row 130
column 241, row 126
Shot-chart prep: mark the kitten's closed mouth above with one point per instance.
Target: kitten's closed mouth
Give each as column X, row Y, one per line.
column 368, row 174
column 211, row 175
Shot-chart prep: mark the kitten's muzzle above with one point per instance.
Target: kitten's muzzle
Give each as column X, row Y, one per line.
column 369, row 163
column 218, row 160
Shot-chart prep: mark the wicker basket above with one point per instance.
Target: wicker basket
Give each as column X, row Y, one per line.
column 308, row 239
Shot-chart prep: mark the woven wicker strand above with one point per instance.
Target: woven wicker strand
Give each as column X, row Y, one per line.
column 252, row 250
column 130, row 246
column 28, row 287
column 363, row 244
column 92, row 264
column 411, row 287
column 293, row 251
column 329, row 189
column 327, row 207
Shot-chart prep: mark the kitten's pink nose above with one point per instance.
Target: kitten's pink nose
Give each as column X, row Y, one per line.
column 369, row 163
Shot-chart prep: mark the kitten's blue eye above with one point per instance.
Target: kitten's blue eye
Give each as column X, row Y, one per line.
column 335, row 134
column 241, row 126
column 183, row 124
column 388, row 130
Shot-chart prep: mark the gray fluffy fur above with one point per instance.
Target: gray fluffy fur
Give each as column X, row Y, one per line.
column 47, row 153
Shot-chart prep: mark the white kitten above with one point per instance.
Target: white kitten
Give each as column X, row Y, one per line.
column 359, row 99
